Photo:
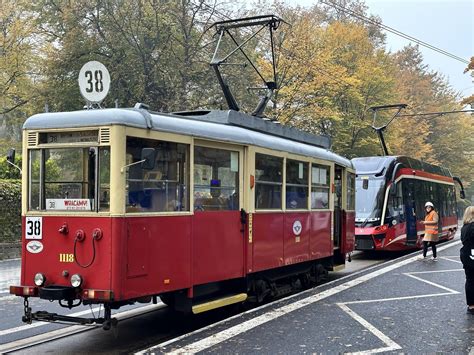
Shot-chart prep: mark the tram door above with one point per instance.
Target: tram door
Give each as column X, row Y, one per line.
column 218, row 241
column 410, row 211
column 338, row 206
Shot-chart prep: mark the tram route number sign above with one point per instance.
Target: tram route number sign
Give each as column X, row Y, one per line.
column 94, row 81
column 34, row 228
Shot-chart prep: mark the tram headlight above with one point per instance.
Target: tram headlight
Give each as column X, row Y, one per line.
column 76, row 280
column 39, row 279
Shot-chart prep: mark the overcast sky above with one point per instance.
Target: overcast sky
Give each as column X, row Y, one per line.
column 446, row 24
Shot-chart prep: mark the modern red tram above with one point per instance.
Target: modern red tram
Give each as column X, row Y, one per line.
column 201, row 209
column 390, row 195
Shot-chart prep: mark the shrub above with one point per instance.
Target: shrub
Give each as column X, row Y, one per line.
column 10, row 211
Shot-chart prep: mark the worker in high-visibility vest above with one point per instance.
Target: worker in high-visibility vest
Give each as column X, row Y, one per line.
column 431, row 230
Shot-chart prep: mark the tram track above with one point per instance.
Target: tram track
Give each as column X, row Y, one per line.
column 57, row 334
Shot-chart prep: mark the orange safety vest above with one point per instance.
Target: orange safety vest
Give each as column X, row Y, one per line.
column 431, row 228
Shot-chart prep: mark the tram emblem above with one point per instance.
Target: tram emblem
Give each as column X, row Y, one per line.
column 34, row 247
column 297, row 228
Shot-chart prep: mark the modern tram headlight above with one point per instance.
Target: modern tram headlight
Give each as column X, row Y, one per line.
column 76, row 280
column 39, row 279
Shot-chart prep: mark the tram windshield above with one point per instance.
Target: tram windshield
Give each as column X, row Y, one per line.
column 69, row 179
column 369, row 201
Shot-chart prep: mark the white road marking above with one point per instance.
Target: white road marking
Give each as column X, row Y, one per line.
column 449, row 259
column 431, row 283
column 60, row 333
column 229, row 333
column 391, row 345
column 400, row 298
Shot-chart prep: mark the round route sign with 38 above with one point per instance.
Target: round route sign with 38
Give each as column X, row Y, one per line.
column 94, row 81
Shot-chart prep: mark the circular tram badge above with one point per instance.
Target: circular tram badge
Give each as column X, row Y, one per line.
column 94, row 82
column 297, row 228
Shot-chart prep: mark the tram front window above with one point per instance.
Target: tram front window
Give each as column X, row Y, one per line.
column 369, row 201
column 65, row 179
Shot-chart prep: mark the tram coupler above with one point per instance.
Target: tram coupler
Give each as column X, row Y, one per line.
column 107, row 321
column 44, row 316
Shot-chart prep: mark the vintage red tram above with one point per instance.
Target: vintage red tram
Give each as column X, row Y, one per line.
column 391, row 192
column 202, row 209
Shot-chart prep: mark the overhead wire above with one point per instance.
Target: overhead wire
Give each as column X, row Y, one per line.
column 283, row 50
column 368, row 20
column 393, row 30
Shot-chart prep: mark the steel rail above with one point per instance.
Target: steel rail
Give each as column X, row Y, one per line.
column 39, row 339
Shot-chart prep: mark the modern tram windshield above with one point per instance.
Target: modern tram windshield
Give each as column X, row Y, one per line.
column 369, row 200
column 69, row 179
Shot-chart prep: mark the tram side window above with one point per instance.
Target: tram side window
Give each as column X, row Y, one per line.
column 319, row 186
column 34, row 186
column 165, row 188
column 216, row 179
column 451, row 201
column 350, row 205
column 296, row 184
column 104, row 180
column 268, row 181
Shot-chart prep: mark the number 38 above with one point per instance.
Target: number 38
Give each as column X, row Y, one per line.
column 94, row 81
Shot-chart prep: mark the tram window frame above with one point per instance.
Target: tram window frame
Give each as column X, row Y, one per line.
column 297, row 185
column 395, row 204
column 220, row 193
column 320, row 187
column 50, row 183
column 351, row 189
column 163, row 189
column 268, row 182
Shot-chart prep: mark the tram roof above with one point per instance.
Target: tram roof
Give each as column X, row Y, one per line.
column 381, row 165
column 204, row 126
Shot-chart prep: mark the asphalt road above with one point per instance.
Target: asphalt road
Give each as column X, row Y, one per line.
column 156, row 323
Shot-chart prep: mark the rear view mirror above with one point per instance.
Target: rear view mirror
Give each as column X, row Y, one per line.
column 462, row 194
column 11, row 155
column 148, row 158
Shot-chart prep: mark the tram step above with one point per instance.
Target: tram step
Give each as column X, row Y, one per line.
column 338, row 267
column 221, row 302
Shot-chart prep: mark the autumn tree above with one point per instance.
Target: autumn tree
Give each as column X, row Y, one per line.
column 157, row 51
column 330, row 75
column 469, row 69
column 17, row 68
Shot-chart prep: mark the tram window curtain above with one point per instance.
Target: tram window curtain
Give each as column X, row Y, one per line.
column 320, row 186
column 268, row 182
column 216, row 179
column 296, row 184
column 165, row 188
